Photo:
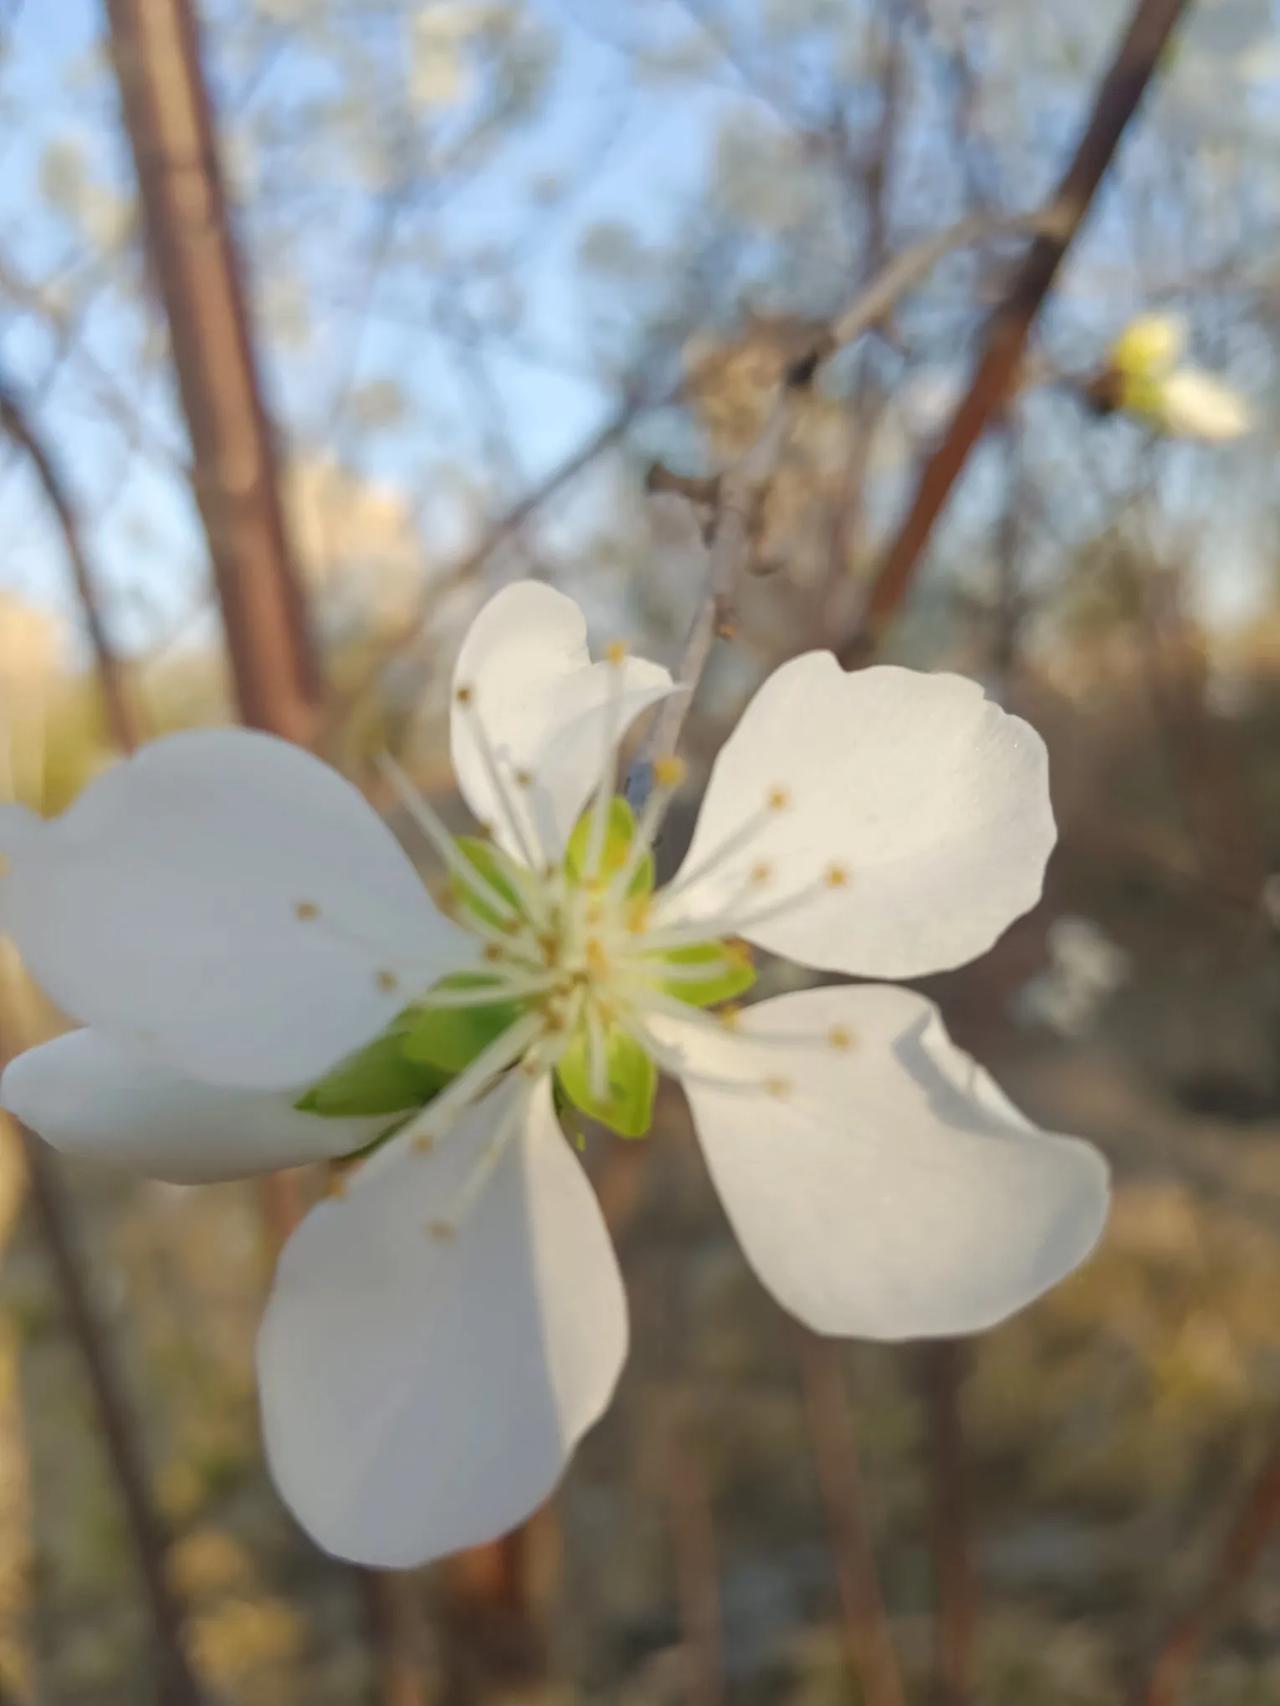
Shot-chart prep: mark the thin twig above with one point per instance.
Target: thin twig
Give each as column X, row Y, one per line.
column 996, row 376
column 1252, row 1530
column 835, row 1454
column 16, row 422
column 867, row 309
column 955, row 1582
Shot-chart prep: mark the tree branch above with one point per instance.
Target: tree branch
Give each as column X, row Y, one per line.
column 996, row 375
column 1251, row 1530
column 121, row 720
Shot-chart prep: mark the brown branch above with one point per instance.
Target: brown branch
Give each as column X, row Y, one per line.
column 196, row 267
column 996, row 376
column 121, row 720
column 835, row 1453
column 1252, row 1530
column 955, row 1583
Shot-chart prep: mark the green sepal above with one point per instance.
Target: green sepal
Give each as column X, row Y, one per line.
column 448, row 1039
column 720, row 985
column 378, row 1079
column 620, row 830
column 500, row 872
column 633, row 1082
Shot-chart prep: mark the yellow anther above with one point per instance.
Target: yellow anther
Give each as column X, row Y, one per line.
column 778, row 798
column 524, row 778
column 638, row 910
column 670, row 772
column 387, row 981
column 761, row 874
column 464, row 695
column 836, row 876
column 443, row 1231
column 730, row 1017
column 337, row 1183
column 615, row 653
column 738, row 953
column 306, row 909
column 779, row 1087
column 492, row 952
column 424, row 1143
column 840, row 1037
column 597, row 960
column 530, row 1066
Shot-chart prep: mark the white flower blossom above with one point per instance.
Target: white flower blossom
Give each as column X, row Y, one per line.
column 1144, row 376
column 264, row 980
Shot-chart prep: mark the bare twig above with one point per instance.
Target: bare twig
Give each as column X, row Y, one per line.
column 835, row 1452
column 121, row 720
column 955, row 1584
column 1252, row 1530
column 869, row 306
column 996, row 375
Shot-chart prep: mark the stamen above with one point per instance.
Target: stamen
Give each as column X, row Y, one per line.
column 439, row 1116
column 431, row 825
column 668, row 777
column 503, row 988
column 733, row 843
column 307, row 912
column 508, row 803
column 603, row 800
column 730, row 922
column 446, row 1227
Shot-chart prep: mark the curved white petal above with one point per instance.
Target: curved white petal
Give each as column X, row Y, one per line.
column 229, row 903
column 545, row 708
column 929, row 804
column 883, row 1186
column 421, row 1395
column 89, row 1096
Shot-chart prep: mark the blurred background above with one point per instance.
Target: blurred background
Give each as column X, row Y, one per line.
column 320, row 320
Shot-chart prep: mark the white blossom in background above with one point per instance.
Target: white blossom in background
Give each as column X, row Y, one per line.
column 263, row 980
column 1085, row 968
column 1145, row 377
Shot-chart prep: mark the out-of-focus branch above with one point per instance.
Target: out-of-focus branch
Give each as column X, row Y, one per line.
column 996, row 376
column 14, row 419
column 735, row 497
column 176, row 1684
column 955, row 1584
column 196, row 268
column 824, row 339
column 835, row 1453
column 1251, row 1531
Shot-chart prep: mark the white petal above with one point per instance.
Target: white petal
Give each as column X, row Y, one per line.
column 88, row 1096
column 543, row 705
column 888, row 1189
column 419, row 1395
column 164, row 906
column 929, row 801
column 1194, row 404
